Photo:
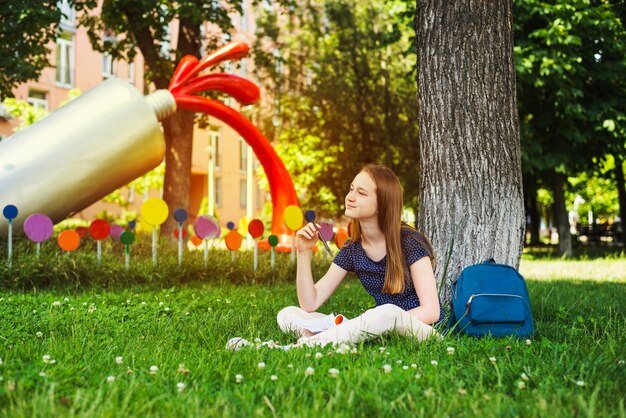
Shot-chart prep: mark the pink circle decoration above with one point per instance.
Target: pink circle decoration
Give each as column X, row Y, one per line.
column 206, row 227
column 116, row 232
column 38, row 227
column 326, row 230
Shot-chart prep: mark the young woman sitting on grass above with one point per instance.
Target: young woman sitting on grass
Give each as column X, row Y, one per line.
column 393, row 261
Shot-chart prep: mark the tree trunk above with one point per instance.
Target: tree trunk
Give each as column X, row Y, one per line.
column 178, row 130
column 560, row 215
column 471, row 200
column 621, row 193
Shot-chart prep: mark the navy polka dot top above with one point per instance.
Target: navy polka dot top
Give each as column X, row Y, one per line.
column 371, row 273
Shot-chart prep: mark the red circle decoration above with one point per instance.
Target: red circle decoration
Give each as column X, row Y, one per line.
column 99, row 229
column 256, row 228
column 82, row 231
column 184, row 233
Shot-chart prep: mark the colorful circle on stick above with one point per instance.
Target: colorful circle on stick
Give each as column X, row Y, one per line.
column 68, row 240
column 233, row 240
column 230, row 225
column 196, row 240
column 116, row 231
column 154, row 211
column 293, row 217
column 309, row 215
column 272, row 240
column 256, row 228
column 127, row 238
column 132, row 224
column 206, row 227
column 10, row 212
column 326, row 230
column 184, row 233
column 341, row 236
column 180, row 215
column 82, row 231
column 38, row 227
column 99, row 229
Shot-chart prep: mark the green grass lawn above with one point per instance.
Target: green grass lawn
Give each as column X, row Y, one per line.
column 64, row 323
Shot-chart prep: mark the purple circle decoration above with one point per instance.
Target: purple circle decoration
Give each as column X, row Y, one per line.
column 116, row 232
column 38, row 227
column 326, row 230
column 206, row 227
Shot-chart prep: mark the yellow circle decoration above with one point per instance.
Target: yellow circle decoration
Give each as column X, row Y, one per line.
column 154, row 211
column 293, row 217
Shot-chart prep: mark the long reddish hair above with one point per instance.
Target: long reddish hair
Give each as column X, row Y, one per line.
column 390, row 203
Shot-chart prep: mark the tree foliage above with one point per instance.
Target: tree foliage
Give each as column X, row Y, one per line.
column 342, row 90
column 27, row 28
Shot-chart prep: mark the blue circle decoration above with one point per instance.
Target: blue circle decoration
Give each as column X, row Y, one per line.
column 10, row 212
column 132, row 224
column 309, row 215
column 230, row 225
column 180, row 215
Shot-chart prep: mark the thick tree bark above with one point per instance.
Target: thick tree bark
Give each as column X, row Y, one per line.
column 560, row 215
column 471, row 200
column 621, row 193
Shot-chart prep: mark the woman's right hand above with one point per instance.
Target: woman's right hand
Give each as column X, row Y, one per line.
column 306, row 237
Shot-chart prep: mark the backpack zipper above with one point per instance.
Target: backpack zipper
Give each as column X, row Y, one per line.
column 469, row 301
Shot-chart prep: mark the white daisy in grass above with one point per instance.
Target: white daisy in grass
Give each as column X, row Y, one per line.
column 413, row 365
column 42, row 374
column 167, row 309
column 274, row 377
column 128, row 301
column 382, row 349
column 405, row 367
column 119, row 359
column 238, row 378
column 84, row 303
column 450, row 351
column 56, row 303
column 580, row 383
column 354, row 350
column 180, row 386
column 110, row 379
column 462, row 392
column 290, row 366
column 398, row 361
column 333, row 372
column 387, row 368
column 524, row 377
column 309, row 371
column 261, row 365
column 493, row 360
column 161, row 303
column 46, row 358
column 143, row 303
column 434, row 362
column 72, row 309
column 318, row 355
column 182, row 369
column 521, row 385
column 154, row 369
column 528, row 342
column 66, row 299
column 52, row 361
column 39, row 334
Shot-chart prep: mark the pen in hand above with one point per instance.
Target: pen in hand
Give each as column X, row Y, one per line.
column 309, row 215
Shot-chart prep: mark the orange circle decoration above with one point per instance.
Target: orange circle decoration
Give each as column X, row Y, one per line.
column 99, row 229
column 68, row 240
column 341, row 236
column 196, row 240
column 233, row 240
column 256, row 228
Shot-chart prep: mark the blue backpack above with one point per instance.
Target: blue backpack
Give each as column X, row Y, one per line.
column 491, row 299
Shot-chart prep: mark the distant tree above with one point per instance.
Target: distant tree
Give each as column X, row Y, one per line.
column 26, row 29
column 470, row 179
column 572, row 93
column 340, row 84
column 123, row 27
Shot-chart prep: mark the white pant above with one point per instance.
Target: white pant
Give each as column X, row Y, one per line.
column 371, row 324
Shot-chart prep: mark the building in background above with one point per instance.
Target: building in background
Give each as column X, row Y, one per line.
column 223, row 174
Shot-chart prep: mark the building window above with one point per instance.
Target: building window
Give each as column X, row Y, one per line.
column 38, row 99
column 217, row 190
column 108, row 66
column 244, row 16
column 131, row 72
column 243, row 193
column 68, row 14
column 65, row 60
column 243, row 155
